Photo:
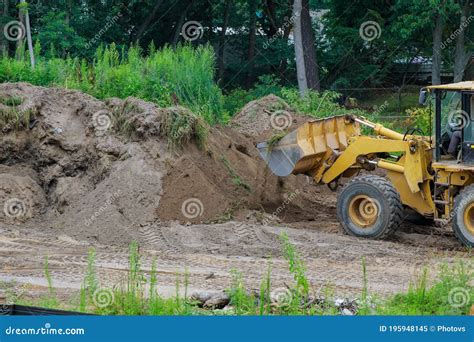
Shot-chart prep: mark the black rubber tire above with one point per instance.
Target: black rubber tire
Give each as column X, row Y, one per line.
column 461, row 201
column 387, row 199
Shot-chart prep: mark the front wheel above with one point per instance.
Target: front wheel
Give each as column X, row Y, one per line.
column 369, row 206
column 463, row 216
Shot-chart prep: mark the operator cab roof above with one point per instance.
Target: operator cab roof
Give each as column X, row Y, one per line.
column 467, row 85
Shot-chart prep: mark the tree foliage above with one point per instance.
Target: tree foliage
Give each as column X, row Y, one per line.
column 78, row 28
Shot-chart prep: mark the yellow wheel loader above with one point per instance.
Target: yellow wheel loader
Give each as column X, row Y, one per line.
column 430, row 175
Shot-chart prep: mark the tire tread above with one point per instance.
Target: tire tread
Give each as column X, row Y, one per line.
column 465, row 191
column 389, row 193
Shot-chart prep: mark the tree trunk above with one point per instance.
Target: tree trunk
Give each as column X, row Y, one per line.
column 437, row 40
column 252, row 40
column 28, row 35
column 286, row 34
column 271, row 16
column 460, row 55
column 179, row 24
column 221, row 50
column 4, row 46
column 19, row 42
column 310, row 61
column 68, row 12
column 147, row 21
column 299, row 51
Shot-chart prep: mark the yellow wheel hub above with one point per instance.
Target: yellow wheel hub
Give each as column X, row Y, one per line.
column 469, row 218
column 363, row 211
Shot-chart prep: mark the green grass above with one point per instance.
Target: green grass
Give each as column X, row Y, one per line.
column 12, row 115
column 275, row 139
column 390, row 101
column 11, row 101
column 182, row 126
column 184, row 76
column 450, row 293
column 178, row 125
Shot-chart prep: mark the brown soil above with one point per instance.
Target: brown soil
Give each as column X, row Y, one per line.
column 74, row 178
column 69, row 183
column 209, row 252
column 262, row 118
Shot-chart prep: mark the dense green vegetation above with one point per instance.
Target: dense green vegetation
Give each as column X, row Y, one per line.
column 184, row 76
column 451, row 293
column 257, row 39
column 167, row 77
column 243, row 50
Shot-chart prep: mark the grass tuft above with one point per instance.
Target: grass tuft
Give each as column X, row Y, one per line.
column 181, row 126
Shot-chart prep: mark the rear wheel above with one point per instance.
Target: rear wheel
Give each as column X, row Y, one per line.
column 369, row 206
column 463, row 218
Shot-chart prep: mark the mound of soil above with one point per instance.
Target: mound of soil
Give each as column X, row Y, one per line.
column 100, row 170
column 20, row 194
column 260, row 119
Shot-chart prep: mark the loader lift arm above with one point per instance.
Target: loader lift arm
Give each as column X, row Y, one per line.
column 331, row 148
column 437, row 186
column 413, row 149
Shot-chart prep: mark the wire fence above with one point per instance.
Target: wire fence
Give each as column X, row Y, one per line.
column 386, row 102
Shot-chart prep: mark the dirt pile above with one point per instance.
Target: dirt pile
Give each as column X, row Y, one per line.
column 261, row 118
column 100, row 170
column 20, row 194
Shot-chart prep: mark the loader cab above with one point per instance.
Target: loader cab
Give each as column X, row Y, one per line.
column 453, row 122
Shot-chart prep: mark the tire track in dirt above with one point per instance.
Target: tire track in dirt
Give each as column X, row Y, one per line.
column 210, row 252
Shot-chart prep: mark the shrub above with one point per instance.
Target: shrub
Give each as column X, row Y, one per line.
column 316, row 104
column 419, row 117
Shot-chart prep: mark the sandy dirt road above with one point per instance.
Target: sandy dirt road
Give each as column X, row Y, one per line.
column 68, row 184
column 210, row 252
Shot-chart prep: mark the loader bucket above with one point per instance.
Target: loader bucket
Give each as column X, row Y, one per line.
column 311, row 148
